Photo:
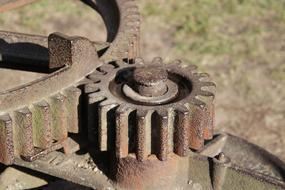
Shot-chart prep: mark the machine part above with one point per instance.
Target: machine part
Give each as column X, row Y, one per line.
column 149, row 121
column 123, row 26
column 122, row 20
column 36, row 118
column 157, row 108
column 226, row 162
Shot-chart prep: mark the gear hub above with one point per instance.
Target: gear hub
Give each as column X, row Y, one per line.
column 150, row 109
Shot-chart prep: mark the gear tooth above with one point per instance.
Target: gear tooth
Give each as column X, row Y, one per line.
column 191, row 68
column 171, row 121
column 96, row 97
column 196, row 130
column 105, row 132
column 204, row 77
column 106, row 68
column 210, row 87
column 91, row 88
column 73, row 108
column 23, row 133
column 207, row 94
column 42, row 137
column 208, row 83
column 177, row 64
column 131, row 8
column 84, row 81
column 92, row 115
column 198, row 101
column 58, row 113
column 122, row 131
column 209, row 121
column 133, row 17
column 165, row 141
column 205, row 116
column 157, row 61
column 6, row 140
column 95, row 76
column 143, row 134
column 181, row 131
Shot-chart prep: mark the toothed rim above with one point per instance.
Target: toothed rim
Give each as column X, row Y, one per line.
column 192, row 114
column 200, row 88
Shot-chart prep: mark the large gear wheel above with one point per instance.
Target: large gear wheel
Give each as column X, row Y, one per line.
column 150, row 109
column 37, row 117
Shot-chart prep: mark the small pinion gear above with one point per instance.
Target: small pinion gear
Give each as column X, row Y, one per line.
column 149, row 109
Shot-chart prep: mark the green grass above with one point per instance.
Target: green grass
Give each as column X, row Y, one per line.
column 278, row 73
column 217, row 28
column 200, row 29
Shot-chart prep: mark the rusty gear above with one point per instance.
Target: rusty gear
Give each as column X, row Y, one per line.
column 36, row 118
column 150, row 108
column 127, row 40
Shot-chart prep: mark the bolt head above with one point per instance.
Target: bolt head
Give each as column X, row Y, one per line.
column 150, row 75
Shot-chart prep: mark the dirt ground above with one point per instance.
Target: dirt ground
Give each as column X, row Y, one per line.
column 240, row 43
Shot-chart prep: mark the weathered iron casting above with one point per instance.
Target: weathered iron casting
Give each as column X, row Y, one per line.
column 136, row 124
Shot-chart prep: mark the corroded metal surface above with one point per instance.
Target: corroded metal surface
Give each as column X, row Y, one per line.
column 49, row 107
column 137, row 125
column 172, row 126
column 43, row 111
column 122, row 20
column 196, row 171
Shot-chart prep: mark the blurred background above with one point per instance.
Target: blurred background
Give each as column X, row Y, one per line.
column 241, row 43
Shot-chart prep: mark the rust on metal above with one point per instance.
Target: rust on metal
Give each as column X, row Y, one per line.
column 42, row 135
column 23, row 133
column 6, row 140
column 171, row 126
column 144, row 124
column 150, row 81
column 50, row 104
